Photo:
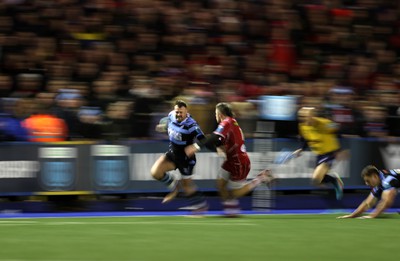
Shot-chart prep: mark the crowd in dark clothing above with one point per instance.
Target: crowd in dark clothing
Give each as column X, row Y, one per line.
column 106, row 67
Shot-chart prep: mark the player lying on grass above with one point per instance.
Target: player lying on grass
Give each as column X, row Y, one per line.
column 384, row 185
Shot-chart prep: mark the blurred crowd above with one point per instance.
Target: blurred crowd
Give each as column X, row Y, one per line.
column 109, row 68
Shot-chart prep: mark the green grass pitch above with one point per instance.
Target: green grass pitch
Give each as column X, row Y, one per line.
column 176, row 238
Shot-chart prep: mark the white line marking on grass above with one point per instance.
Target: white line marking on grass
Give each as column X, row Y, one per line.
column 63, row 223
column 20, row 221
column 17, row 223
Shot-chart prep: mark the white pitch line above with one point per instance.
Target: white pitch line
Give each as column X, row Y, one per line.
column 25, row 223
column 15, row 221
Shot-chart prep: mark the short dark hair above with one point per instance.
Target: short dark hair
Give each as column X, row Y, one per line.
column 180, row 103
column 369, row 170
column 225, row 109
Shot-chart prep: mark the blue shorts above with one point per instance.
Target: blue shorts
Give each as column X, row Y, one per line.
column 327, row 158
column 183, row 163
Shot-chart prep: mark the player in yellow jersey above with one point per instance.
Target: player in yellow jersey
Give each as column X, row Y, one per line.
column 320, row 136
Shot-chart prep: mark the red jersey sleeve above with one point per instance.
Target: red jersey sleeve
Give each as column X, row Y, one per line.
column 223, row 128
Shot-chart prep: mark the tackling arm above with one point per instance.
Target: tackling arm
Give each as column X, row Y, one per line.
column 211, row 143
column 369, row 202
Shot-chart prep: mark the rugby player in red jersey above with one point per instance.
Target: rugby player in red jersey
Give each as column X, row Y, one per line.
column 228, row 139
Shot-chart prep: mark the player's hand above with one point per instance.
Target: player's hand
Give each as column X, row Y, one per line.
column 161, row 127
column 345, row 216
column 297, row 153
column 190, row 150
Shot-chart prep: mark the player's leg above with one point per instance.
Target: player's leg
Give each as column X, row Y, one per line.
column 188, row 185
column 324, row 163
column 320, row 177
column 197, row 200
column 159, row 171
column 230, row 204
column 222, row 186
column 230, row 191
column 173, row 194
column 238, row 184
column 232, row 185
column 338, row 185
column 264, row 177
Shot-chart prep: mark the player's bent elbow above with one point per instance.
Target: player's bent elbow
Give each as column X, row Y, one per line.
column 389, row 202
column 390, row 197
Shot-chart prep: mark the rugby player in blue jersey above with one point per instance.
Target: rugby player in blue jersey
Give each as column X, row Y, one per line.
column 384, row 185
column 183, row 130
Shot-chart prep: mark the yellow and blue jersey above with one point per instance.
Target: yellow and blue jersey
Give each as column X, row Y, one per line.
column 321, row 137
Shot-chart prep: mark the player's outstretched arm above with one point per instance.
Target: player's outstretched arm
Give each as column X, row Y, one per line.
column 388, row 197
column 211, row 143
column 297, row 153
column 364, row 206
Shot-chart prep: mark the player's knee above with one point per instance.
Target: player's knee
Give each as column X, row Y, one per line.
column 156, row 174
column 235, row 194
column 315, row 181
column 221, row 184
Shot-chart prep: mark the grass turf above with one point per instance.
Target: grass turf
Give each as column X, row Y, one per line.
column 252, row 237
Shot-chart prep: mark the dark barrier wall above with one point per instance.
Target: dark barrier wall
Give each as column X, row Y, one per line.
column 27, row 168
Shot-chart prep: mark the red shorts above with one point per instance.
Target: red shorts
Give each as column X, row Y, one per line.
column 238, row 169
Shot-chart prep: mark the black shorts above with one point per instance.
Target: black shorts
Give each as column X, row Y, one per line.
column 182, row 162
column 327, row 158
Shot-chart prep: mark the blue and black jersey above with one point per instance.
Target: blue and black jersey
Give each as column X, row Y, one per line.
column 182, row 134
column 390, row 179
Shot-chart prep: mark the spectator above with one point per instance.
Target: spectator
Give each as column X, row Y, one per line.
column 67, row 105
column 91, row 121
column 257, row 47
column 340, row 109
column 375, row 121
column 11, row 128
column 43, row 126
column 118, row 118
